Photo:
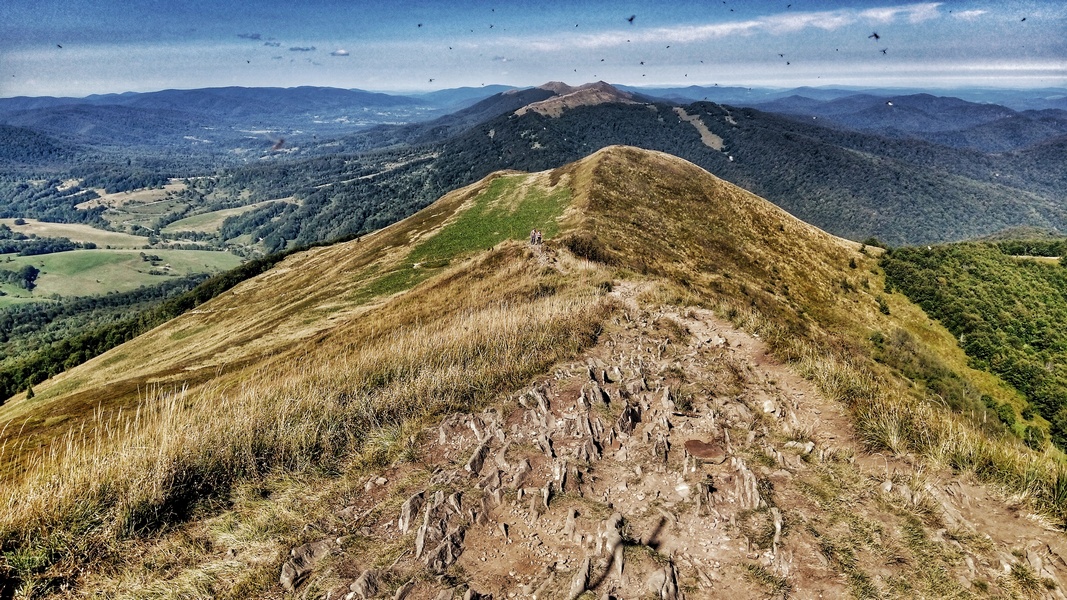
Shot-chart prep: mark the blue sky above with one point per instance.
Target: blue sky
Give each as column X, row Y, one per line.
column 114, row 46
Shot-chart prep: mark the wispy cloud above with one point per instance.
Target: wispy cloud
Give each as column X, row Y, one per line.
column 339, row 52
column 302, row 49
column 969, row 15
column 250, row 36
column 273, row 44
column 913, row 13
column 780, row 23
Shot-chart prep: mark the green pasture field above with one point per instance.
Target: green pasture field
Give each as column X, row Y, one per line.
column 210, row 222
column 77, row 232
column 93, row 272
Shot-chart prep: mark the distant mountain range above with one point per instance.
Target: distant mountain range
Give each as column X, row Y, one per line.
column 912, row 168
column 1032, row 99
column 854, row 183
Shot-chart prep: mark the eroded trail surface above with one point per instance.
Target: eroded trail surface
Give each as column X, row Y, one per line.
column 676, row 459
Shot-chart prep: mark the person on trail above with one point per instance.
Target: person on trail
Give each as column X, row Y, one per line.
column 538, row 237
column 533, row 237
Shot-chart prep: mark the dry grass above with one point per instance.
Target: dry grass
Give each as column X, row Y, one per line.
column 136, row 472
column 320, row 386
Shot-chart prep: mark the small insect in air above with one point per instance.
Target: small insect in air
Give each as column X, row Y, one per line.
column 875, row 36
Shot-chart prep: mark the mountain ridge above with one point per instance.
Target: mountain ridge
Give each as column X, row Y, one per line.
column 702, row 334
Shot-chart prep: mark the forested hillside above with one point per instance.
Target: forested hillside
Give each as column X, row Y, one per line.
column 1009, row 313
column 852, row 184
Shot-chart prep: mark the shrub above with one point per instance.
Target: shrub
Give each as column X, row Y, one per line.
column 588, row 247
column 1006, row 414
column 1034, row 437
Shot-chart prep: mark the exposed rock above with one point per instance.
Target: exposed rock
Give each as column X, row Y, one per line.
column 661, row 447
column 302, row 560
column 803, row 447
column 366, row 586
column 663, row 583
column 434, row 524
column 477, row 459
column 542, row 402
column 706, row 451
column 473, row 595
column 521, row 473
column 613, row 541
column 630, row 417
column 704, row 491
column 409, row 510
column 544, row 443
column 587, row 451
column 580, row 581
column 776, row 515
column 598, row 396
column 568, row 525
column 747, row 487
column 491, row 481
column 403, row 591
column 446, row 553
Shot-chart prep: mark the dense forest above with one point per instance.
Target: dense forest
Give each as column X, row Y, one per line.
column 1009, row 313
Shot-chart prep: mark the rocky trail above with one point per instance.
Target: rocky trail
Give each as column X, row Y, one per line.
column 675, row 459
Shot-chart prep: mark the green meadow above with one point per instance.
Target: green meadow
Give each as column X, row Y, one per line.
column 92, row 272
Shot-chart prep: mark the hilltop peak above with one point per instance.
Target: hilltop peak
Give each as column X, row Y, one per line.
column 589, row 94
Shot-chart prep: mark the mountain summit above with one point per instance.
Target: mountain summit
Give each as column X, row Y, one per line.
column 568, row 97
column 675, row 395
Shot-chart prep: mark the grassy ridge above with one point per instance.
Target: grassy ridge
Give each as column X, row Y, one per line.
column 817, row 300
column 76, row 501
column 316, row 382
column 507, row 209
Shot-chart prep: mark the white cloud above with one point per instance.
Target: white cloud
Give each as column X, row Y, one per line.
column 914, row 13
column 791, row 22
column 339, row 52
column 969, row 15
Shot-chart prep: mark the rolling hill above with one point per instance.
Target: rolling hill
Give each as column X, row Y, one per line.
column 857, row 184
column 677, row 394
column 948, row 121
column 853, row 184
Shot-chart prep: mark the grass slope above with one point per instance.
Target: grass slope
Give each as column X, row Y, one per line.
column 78, row 233
column 210, row 222
column 317, row 365
column 94, row 272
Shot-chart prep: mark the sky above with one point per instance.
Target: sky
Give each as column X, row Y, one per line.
column 82, row 47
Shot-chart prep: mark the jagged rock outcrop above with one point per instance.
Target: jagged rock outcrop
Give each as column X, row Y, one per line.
column 301, row 561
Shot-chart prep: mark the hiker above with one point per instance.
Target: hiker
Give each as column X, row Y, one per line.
column 538, row 236
column 533, row 237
